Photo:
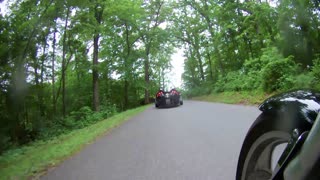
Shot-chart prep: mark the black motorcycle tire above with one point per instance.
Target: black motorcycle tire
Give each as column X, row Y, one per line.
column 268, row 131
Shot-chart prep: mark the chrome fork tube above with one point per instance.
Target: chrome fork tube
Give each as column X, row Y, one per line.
column 309, row 154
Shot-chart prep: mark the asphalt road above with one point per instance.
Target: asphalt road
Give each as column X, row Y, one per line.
column 198, row 140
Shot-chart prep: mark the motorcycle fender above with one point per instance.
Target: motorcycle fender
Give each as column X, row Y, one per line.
column 301, row 104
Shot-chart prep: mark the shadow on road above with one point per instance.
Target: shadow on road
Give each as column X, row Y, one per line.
column 167, row 107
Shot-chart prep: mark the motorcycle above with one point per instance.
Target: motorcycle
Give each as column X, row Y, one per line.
column 290, row 121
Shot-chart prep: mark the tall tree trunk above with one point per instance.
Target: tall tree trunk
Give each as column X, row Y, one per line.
column 126, row 92
column 221, row 67
column 40, row 93
column 248, row 41
column 126, row 68
column 146, row 75
column 162, row 75
column 53, row 69
column 200, row 65
column 63, row 74
column 210, row 66
column 191, row 68
column 95, row 72
column 36, row 79
column 148, row 41
column 210, row 25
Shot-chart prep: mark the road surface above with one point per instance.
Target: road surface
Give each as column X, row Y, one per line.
column 198, row 140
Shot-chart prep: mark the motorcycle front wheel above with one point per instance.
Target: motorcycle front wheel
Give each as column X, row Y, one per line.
column 258, row 155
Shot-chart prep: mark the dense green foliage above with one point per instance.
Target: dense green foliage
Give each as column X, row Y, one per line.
column 249, row 45
column 67, row 64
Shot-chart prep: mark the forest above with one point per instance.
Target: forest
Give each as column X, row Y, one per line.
column 267, row 46
column 67, row 64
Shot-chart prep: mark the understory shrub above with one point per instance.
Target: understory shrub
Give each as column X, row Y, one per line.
column 279, row 74
column 271, row 72
column 76, row 120
column 315, row 73
column 203, row 89
column 303, row 81
column 238, row 81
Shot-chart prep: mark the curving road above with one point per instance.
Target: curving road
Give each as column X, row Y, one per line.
column 198, row 140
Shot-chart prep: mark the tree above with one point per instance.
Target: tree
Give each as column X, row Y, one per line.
column 154, row 16
column 298, row 24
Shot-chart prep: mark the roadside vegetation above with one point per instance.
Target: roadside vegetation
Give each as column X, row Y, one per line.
column 67, row 64
column 241, row 97
column 33, row 159
column 244, row 52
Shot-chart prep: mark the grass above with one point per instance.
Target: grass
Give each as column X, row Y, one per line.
column 34, row 159
column 243, row 97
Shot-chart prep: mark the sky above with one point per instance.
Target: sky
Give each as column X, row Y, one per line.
column 177, row 60
column 3, row 8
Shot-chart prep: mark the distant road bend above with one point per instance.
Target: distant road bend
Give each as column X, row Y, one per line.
column 198, row 140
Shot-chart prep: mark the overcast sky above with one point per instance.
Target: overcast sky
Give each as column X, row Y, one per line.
column 177, row 60
column 3, row 8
